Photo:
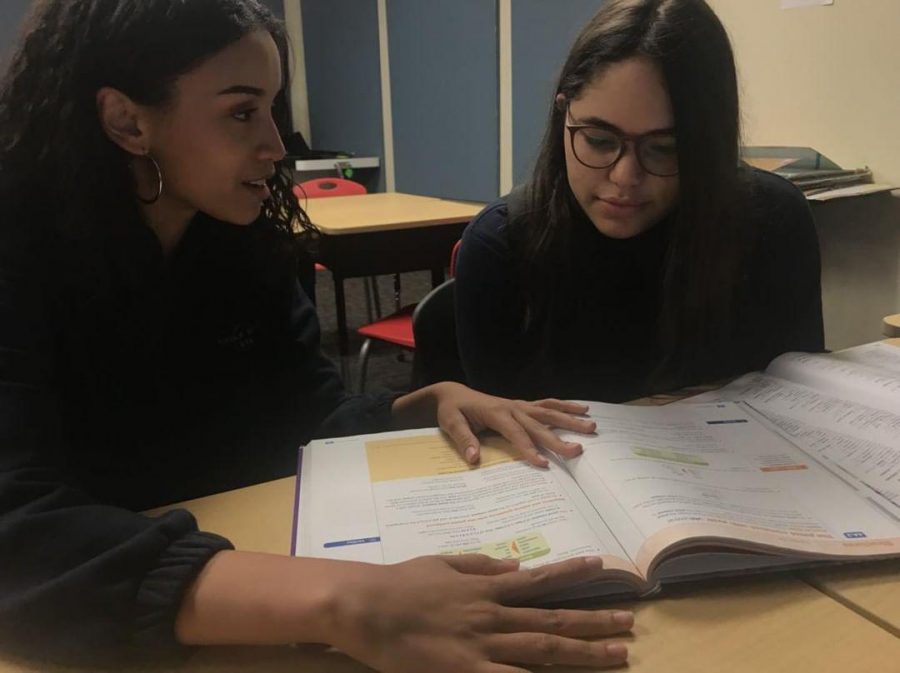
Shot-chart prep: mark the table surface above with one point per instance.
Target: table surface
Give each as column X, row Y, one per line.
column 366, row 213
column 892, row 325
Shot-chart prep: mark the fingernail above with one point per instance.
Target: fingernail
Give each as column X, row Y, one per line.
column 543, row 462
column 471, row 454
column 594, row 561
column 623, row 618
column 617, row 650
column 575, row 447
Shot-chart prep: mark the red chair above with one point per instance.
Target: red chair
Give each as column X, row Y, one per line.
column 396, row 329
column 453, row 255
column 319, row 188
column 323, row 187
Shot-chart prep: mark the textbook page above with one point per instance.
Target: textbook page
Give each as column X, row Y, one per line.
column 861, row 444
column 390, row 497
column 868, row 374
column 664, row 475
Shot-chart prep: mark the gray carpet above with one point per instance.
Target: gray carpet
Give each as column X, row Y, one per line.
column 389, row 367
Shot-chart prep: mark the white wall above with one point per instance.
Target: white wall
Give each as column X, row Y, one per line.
column 829, row 78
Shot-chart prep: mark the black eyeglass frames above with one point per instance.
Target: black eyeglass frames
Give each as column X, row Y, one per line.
column 602, row 147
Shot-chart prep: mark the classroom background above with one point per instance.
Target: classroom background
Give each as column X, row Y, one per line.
column 452, row 96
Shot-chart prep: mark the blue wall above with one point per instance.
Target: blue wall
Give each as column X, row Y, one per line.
column 444, row 84
column 542, row 33
column 444, row 97
column 343, row 76
column 11, row 14
column 277, row 7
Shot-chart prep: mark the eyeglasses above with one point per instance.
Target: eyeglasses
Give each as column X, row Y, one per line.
column 602, row 147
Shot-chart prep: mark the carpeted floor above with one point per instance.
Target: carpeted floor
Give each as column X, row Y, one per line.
column 389, row 366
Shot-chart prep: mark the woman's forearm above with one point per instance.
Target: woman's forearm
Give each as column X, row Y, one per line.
column 253, row 598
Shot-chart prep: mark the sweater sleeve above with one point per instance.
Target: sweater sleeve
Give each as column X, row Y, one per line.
column 326, row 407
column 486, row 300
column 80, row 580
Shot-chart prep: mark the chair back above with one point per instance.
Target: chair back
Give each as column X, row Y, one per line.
column 453, row 257
column 434, row 328
column 318, row 188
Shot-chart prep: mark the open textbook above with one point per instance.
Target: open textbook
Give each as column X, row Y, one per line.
column 842, row 408
column 663, row 494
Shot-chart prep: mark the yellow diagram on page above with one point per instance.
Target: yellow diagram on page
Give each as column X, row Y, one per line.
column 525, row 547
column 429, row 456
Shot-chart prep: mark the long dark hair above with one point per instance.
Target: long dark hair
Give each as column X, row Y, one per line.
column 706, row 242
column 56, row 161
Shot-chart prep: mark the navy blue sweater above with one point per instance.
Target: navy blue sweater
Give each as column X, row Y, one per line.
column 604, row 346
column 127, row 381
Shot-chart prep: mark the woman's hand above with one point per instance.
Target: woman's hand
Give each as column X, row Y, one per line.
column 451, row 613
column 435, row 613
column 462, row 412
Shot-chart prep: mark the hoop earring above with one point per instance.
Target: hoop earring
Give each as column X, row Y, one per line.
column 159, row 179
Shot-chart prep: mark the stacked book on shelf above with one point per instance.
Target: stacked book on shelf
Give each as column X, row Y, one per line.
column 816, row 175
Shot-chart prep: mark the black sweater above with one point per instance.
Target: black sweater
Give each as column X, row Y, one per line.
column 128, row 381
column 604, row 346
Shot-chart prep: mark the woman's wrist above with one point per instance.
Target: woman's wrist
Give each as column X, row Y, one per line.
column 419, row 408
column 253, row 598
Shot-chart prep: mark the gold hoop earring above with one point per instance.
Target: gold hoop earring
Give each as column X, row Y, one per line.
column 159, row 180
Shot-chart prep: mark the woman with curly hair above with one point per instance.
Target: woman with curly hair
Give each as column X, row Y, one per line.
column 640, row 257
column 155, row 346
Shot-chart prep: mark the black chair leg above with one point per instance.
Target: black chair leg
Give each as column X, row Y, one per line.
column 376, row 297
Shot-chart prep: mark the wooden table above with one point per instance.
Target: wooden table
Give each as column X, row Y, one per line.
column 375, row 234
column 891, row 325
column 872, row 591
column 764, row 625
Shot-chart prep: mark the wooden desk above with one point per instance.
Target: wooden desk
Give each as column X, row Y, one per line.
column 891, row 325
column 873, row 591
column 771, row 625
column 375, row 234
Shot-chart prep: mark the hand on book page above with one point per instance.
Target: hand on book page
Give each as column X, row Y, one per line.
column 462, row 413
column 450, row 614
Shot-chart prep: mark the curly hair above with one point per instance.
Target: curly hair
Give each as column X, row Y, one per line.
column 52, row 147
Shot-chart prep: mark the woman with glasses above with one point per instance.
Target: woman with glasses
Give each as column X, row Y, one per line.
column 641, row 256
